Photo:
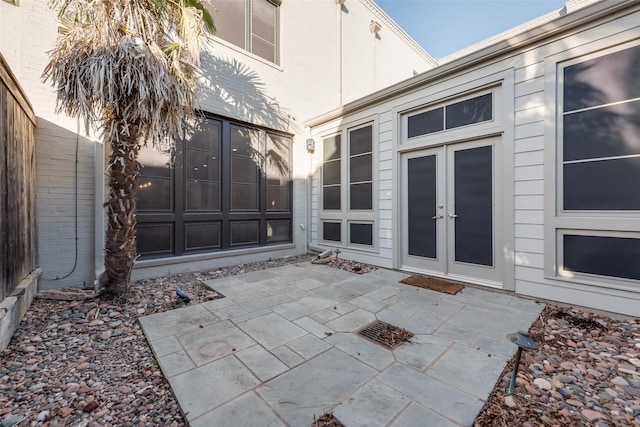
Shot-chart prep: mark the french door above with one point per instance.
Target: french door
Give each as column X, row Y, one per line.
column 449, row 211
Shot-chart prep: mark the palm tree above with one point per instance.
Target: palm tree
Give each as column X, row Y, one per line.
column 127, row 67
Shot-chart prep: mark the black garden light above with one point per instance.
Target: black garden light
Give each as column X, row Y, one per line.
column 523, row 341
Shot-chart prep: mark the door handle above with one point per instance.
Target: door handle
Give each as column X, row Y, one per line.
column 453, row 216
column 437, row 216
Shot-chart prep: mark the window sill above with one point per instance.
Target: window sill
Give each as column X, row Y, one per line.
column 247, row 53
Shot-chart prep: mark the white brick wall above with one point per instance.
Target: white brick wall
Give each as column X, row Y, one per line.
column 235, row 84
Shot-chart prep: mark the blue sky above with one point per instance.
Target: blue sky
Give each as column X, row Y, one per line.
column 442, row 27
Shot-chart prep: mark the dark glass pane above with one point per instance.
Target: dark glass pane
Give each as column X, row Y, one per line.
column 469, row 111
column 331, row 231
column 265, row 31
column 229, row 17
column 204, row 135
column 421, row 205
column 425, row 123
column 201, row 235
column 202, row 165
column 331, row 148
column 361, row 195
column 360, row 168
column 263, row 49
column 278, row 198
column 155, row 163
column 154, row 238
column 607, row 79
column 278, row 159
column 603, row 132
column 244, row 197
column 331, row 173
column 602, row 185
column 244, row 169
column 203, row 196
column 245, row 142
column 360, row 140
column 244, row 232
column 473, row 188
column 153, row 194
column 604, row 256
column 278, row 230
column 361, row 234
column 331, row 197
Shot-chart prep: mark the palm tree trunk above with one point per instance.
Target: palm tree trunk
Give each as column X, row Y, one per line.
column 120, row 242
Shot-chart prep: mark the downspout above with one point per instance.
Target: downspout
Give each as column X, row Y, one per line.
column 309, row 187
column 339, row 4
column 98, row 249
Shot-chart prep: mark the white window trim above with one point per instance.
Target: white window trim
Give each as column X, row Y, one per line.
column 558, row 221
column 345, row 215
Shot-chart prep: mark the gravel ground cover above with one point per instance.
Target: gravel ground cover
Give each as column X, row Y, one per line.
column 87, row 363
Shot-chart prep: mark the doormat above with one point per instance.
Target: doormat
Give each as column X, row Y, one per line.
column 433, row 284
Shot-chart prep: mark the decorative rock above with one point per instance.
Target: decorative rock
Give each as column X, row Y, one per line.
column 96, row 322
column 42, row 416
column 574, row 402
column 620, row 381
column 65, row 412
column 11, row 420
column 510, row 402
column 591, row 415
column 90, row 407
column 82, row 366
column 542, row 383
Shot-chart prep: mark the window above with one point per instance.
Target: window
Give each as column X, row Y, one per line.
column 348, row 187
column 224, row 185
column 597, row 221
column 249, row 24
column 467, row 112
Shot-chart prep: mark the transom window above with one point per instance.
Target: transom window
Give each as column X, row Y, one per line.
column 223, row 186
column 597, row 223
column 249, row 24
column 450, row 116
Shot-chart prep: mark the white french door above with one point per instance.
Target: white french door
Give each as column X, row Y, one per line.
column 449, row 211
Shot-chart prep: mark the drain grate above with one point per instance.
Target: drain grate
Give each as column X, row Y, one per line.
column 385, row 334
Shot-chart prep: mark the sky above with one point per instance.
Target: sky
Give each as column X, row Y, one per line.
column 442, row 27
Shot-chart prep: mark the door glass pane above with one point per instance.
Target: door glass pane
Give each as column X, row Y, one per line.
column 421, row 206
column 229, row 17
column 244, row 169
column 278, row 198
column 331, row 231
column 361, row 195
column 360, row 140
column 604, row 256
column 278, row 230
column 473, row 186
column 244, row 232
column 607, row 79
column 202, row 165
column 202, row 235
column 469, row 111
column 278, row 160
column 204, row 134
column 154, row 239
column 244, row 197
column 602, row 132
column 203, row 196
column 425, row 123
column 361, row 234
column 154, row 191
column 331, row 198
column 602, row 185
column 360, row 168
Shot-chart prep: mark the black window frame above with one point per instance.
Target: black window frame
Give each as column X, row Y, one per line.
column 224, row 217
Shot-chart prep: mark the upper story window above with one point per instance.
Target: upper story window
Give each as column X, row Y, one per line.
column 452, row 115
column 249, row 24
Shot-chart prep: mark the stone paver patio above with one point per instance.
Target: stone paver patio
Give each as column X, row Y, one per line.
column 281, row 348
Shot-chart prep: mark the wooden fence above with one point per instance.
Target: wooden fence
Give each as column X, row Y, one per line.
column 17, row 183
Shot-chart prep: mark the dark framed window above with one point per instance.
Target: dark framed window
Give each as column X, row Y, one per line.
column 601, row 133
column 331, row 173
column 602, row 255
column 249, row 24
column 224, row 185
column 361, row 168
column 450, row 116
column 361, row 234
column 332, row 231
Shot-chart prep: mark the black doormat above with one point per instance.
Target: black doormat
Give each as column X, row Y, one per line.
column 433, row 284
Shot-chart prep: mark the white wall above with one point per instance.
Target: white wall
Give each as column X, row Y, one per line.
column 235, row 84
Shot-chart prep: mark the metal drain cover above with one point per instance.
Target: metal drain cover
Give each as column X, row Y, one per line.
column 385, row 334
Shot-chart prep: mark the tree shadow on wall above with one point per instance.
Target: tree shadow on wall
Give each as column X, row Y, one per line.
column 242, row 93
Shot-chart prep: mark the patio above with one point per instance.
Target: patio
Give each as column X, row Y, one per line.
column 282, row 348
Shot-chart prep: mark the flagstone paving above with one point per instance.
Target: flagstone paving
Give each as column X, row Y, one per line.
column 282, row 347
